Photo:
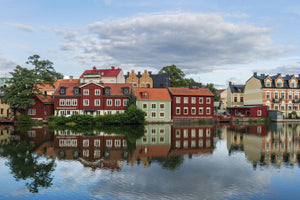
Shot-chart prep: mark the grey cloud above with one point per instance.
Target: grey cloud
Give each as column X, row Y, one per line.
column 194, row 42
column 285, row 69
column 22, row 27
column 6, row 66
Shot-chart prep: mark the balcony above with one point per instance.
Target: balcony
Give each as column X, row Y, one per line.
column 277, row 100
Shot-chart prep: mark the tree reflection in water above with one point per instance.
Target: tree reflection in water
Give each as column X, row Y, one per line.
column 24, row 164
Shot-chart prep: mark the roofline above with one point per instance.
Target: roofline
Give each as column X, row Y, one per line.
column 90, row 83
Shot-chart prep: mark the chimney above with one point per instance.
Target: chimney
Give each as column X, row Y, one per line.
column 255, row 74
column 150, row 73
column 278, row 74
column 112, row 67
column 71, row 78
column 127, row 74
column 299, row 75
column 45, row 93
column 230, row 83
column 262, row 74
column 139, row 73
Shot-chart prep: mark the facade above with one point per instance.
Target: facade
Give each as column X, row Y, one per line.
column 250, row 111
column 5, row 111
column 223, row 98
column 235, row 95
column 191, row 103
column 42, row 108
column 113, row 75
column 155, row 102
column 72, row 97
column 148, row 80
column 277, row 92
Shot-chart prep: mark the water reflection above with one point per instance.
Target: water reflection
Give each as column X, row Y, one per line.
column 205, row 156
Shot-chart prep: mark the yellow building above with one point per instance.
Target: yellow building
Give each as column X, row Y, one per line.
column 140, row 81
column 5, row 111
column 235, row 95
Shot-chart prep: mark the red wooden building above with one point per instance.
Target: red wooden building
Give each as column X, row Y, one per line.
column 249, row 111
column 42, row 108
column 191, row 102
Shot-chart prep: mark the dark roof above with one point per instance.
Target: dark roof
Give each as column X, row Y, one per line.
column 285, row 78
column 236, row 88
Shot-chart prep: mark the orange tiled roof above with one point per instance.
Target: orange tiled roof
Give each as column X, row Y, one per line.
column 116, row 88
column 69, row 84
column 158, row 94
column 45, row 99
column 190, row 91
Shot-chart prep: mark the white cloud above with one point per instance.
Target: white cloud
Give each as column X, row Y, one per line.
column 22, row 27
column 6, row 66
column 194, row 42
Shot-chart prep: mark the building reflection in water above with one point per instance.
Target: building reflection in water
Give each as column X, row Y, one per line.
column 6, row 136
column 265, row 145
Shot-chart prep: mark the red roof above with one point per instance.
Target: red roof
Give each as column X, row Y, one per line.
column 45, row 99
column 190, row 91
column 116, row 88
column 113, row 72
column 158, row 94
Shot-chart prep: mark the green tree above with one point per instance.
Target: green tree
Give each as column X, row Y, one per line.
column 24, row 164
column 176, row 76
column 132, row 101
column 211, row 87
column 25, row 83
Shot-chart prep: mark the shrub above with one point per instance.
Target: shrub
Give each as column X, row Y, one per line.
column 24, row 119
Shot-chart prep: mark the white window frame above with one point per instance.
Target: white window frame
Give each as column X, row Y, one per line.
column 193, row 100
column 62, row 102
column 97, row 143
column 109, row 143
column 208, row 110
column 200, row 110
column 117, row 102
column 74, row 102
column 177, row 99
column 118, row 143
column 185, row 100
column 97, row 153
column 153, row 112
column 178, row 109
column 193, row 110
column 85, row 143
column 68, row 102
column 97, row 102
column 86, row 92
column 153, row 106
column 85, row 153
column 162, row 106
column 186, row 109
column 208, row 100
column 125, row 102
column 31, row 112
column 258, row 112
column 109, row 102
column 86, row 102
column 163, row 115
column 97, row 92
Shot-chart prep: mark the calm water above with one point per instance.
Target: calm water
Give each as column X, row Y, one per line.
column 161, row 162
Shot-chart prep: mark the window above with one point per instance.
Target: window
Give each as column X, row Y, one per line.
column 146, row 114
column 145, row 95
column 126, row 91
column 86, row 102
column 86, row 92
column 282, row 95
column 207, row 143
column 97, row 153
column 161, row 139
column 143, row 85
column 177, row 133
column 200, row 110
column 118, row 102
column 185, row 133
column 97, row 143
column 275, row 107
column 200, row 143
column 208, row 110
column 2, row 109
column 296, row 95
column 153, row 131
column 177, row 110
column 290, row 95
column 68, row 102
column 153, row 106
column 109, row 102
column 124, row 143
column 290, row 106
column 153, row 114
column 62, row 90
column 200, row 133
column 282, row 107
column 207, row 132
column 31, row 111
column 268, row 84
column 162, row 131
column 162, row 106
column 193, row 111
column 185, row 100
column 117, row 143
column 85, row 153
column 193, row 133
column 200, row 100
column 185, row 110
column 144, row 106
column 62, row 102
column 276, row 95
column 208, row 100
column 97, row 92
column 74, row 102
column 85, row 143
column 125, row 102
column 241, row 99
column 107, row 91
column 109, row 143
column 76, row 90
column 177, row 99
column 193, row 100
column 97, row 102
column 177, row 144
column 235, row 99
column 268, row 96
column 162, row 114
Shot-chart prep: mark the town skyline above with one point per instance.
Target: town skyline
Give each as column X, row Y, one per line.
column 210, row 42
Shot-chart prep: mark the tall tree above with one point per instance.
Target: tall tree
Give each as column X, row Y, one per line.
column 132, row 100
column 25, row 83
column 211, row 87
column 176, row 76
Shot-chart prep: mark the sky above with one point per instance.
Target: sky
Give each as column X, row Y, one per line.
column 211, row 41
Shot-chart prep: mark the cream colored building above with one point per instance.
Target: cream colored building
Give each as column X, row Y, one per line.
column 235, row 95
column 140, row 81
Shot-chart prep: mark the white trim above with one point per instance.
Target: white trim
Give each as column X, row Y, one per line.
column 91, row 83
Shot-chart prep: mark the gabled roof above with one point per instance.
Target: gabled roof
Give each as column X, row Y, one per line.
column 91, row 83
column 116, row 88
column 190, row 91
column 69, row 84
column 285, row 78
column 157, row 94
column 237, row 88
column 113, row 72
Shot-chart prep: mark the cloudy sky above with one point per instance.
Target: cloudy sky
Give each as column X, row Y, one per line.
column 211, row 41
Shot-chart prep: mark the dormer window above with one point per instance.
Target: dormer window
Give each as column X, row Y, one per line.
column 268, row 83
column 293, row 85
column 76, row 91
column 145, row 95
column 62, row 90
column 125, row 90
column 279, row 84
column 107, row 90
